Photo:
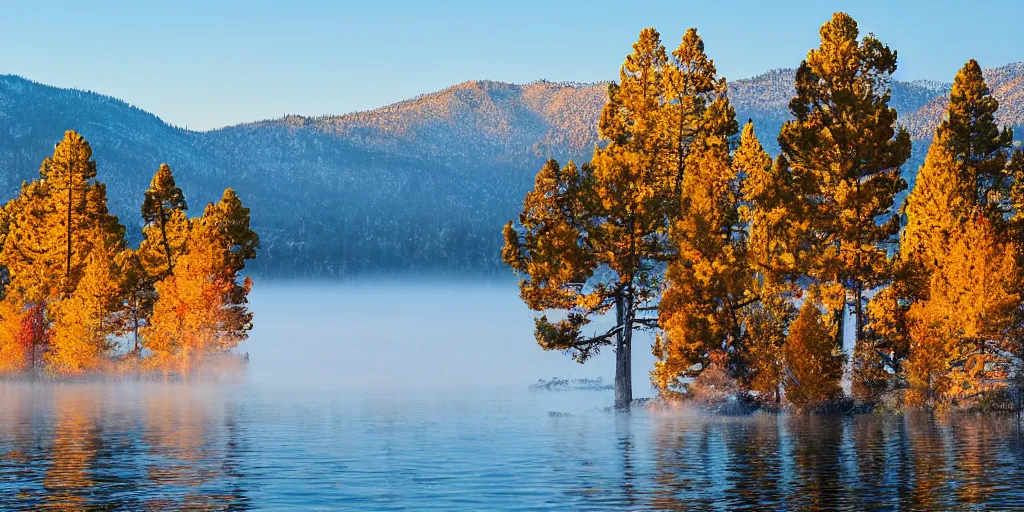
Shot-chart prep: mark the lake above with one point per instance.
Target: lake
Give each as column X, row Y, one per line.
column 397, row 396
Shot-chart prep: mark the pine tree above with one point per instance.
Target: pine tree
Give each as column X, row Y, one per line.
column 774, row 245
column 139, row 295
column 231, row 220
column 191, row 318
column 166, row 226
column 76, row 216
column 957, row 213
column 689, row 87
column 84, row 321
column 708, row 283
column 593, row 238
column 959, row 333
column 162, row 244
column 980, row 147
column 814, row 365
column 28, row 255
column 844, row 143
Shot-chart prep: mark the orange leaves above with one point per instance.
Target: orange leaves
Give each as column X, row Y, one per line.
column 197, row 313
column 74, row 286
column 814, row 366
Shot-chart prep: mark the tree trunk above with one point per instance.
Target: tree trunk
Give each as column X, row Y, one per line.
column 623, row 355
column 163, row 234
column 67, row 272
column 858, row 328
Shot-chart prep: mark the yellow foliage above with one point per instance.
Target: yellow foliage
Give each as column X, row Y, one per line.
column 813, row 360
column 958, row 334
column 191, row 317
column 14, row 357
column 162, row 244
column 84, row 321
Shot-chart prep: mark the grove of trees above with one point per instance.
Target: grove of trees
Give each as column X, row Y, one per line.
column 75, row 299
column 758, row 268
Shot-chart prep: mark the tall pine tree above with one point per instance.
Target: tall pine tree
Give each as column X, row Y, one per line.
column 843, row 140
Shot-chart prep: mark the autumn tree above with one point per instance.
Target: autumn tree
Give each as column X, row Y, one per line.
column 708, row 283
column 689, row 86
column 71, row 286
column 84, row 321
column 191, row 318
column 813, row 362
column 76, row 216
column 959, row 333
column 27, row 254
column 957, row 241
column 776, row 241
column 592, row 239
column 229, row 220
column 166, row 225
column 843, row 140
column 139, row 294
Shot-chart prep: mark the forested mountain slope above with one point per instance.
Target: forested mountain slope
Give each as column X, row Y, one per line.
column 422, row 184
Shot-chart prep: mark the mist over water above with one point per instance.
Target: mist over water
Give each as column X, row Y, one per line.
column 423, row 335
column 389, row 395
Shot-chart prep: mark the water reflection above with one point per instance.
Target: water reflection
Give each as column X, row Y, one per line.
column 173, row 447
column 84, row 447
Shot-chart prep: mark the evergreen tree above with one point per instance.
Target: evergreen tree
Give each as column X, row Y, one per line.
column 76, row 215
column 708, row 283
column 28, row 254
column 162, row 244
column 139, row 295
column 844, row 145
column 957, row 214
column 773, row 244
column 84, row 321
column 191, row 318
column 959, row 334
column 689, row 87
column 163, row 212
column 230, row 218
column 814, row 364
column 593, row 238
column 979, row 146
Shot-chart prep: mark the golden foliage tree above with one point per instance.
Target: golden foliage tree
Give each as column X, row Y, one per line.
column 190, row 316
column 959, row 333
column 814, row 364
column 84, row 321
column 592, row 238
column 71, row 286
column 774, row 245
column 707, row 282
column 956, row 240
column 844, row 147
column 166, row 226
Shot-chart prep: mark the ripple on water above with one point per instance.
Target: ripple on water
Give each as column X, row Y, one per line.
column 171, row 446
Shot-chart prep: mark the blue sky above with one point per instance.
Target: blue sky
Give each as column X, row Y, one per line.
column 214, row 63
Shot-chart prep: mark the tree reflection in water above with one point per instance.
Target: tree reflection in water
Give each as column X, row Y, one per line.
column 84, row 446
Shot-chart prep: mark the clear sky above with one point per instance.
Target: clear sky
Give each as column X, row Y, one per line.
column 207, row 64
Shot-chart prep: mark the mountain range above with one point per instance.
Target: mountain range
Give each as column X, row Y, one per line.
column 424, row 184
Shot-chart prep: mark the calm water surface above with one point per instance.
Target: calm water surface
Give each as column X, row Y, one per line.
column 278, row 442
column 159, row 447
